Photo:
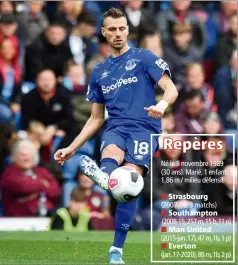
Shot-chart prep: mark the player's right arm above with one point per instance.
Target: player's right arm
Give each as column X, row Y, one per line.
column 93, row 124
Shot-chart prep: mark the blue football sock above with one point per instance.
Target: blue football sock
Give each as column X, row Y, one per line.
column 108, row 165
column 123, row 218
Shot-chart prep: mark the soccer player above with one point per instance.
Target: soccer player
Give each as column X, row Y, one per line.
column 125, row 83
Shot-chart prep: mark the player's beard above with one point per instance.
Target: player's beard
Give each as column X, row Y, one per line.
column 118, row 46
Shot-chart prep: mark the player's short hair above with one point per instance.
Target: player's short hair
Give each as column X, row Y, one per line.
column 181, row 27
column 114, row 13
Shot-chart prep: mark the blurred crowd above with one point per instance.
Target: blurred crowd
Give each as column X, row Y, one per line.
column 47, row 52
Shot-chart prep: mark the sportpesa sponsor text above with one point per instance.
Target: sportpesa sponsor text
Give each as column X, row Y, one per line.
column 119, row 83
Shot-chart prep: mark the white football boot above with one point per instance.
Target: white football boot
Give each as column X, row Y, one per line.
column 90, row 169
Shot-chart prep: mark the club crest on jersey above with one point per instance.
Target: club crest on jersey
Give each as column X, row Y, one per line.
column 130, row 65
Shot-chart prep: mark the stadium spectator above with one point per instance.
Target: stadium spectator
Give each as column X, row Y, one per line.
column 33, row 21
column 80, row 39
column 212, row 34
column 168, row 122
column 84, row 205
column 225, row 85
column 191, row 112
column 226, row 43
column 137, row 18
column 23, row 181
column 180, row 51
column 10, row 80
column 74, row 80
column 97, row 203
column 35, row 133
column 49, row 104
column 152, row 41
column 7, row 7
column 195, row 80
column 8, row 28
column 95, row 8
column 74, row 218
column 180, row 13
column 50, row 50
column 222, row 18
column 220, row 190
column 174, row 158
column 100, row 56
column 212, row 124
column 68, row 13
column 229, row 185
column 7, row 139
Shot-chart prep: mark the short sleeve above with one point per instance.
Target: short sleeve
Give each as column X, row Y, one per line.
column 94, row 93
column 155, row 66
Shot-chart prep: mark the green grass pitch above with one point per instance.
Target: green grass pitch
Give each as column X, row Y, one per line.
column 77, row 248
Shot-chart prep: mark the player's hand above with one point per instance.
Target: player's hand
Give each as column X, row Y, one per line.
column 62, row 155
column 153, row 112
column 157, row 111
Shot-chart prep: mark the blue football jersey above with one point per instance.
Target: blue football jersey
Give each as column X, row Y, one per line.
column 126, row 84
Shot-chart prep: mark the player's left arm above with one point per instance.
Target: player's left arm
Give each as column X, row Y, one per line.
column 169, row 97
column 158, row 71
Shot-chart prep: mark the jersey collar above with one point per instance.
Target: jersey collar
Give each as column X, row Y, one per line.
column 116, row 59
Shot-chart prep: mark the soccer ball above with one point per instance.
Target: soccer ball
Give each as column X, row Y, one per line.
column 125, row 184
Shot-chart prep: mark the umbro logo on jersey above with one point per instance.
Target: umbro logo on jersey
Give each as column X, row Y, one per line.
column 125, row 226
column 138, row 157
column 104, row 74
column 118, row 84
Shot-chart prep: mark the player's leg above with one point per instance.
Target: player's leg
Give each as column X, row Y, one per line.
column 137, row 156
column 113, row 153
column 112, row 158
column 125, row 213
